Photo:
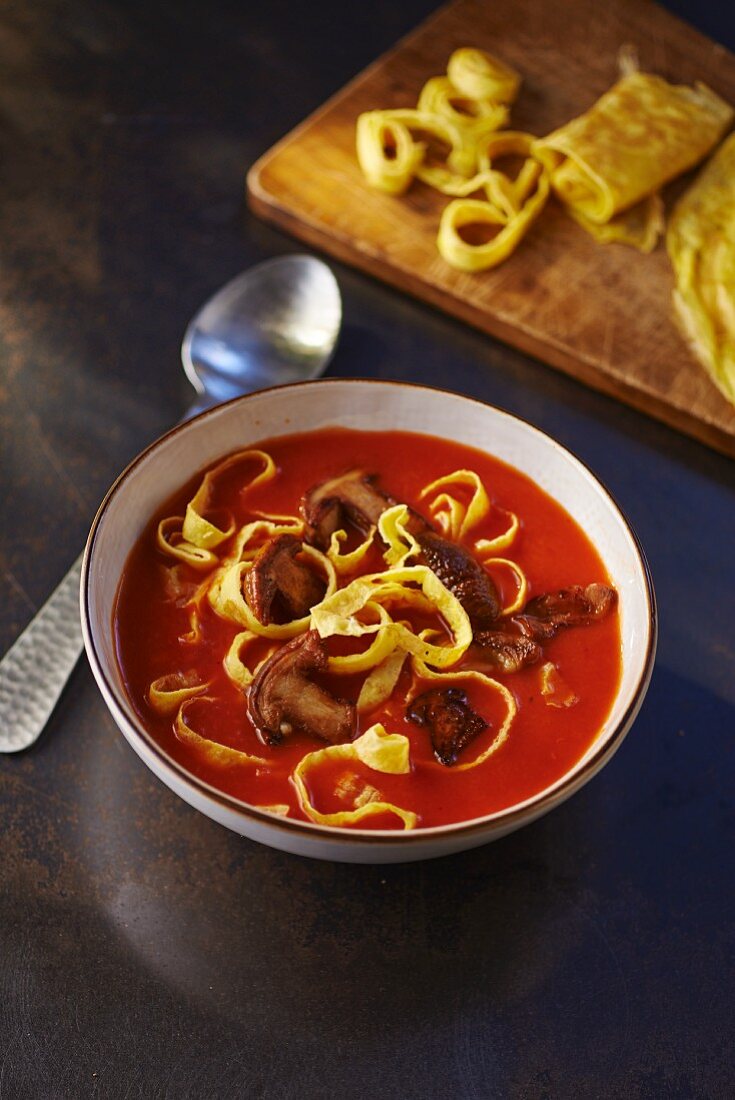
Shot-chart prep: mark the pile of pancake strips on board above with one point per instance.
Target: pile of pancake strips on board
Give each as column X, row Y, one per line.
column 606, row 167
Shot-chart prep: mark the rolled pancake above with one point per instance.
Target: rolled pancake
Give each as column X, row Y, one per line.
column 640, row 134
column 701, row 242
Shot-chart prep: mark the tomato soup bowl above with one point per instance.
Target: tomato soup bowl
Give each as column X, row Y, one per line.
column 154, row 476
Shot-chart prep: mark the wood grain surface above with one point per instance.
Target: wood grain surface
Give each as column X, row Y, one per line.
column 601, row 313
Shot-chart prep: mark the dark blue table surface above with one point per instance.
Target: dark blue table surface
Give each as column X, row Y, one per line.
column 145, row 951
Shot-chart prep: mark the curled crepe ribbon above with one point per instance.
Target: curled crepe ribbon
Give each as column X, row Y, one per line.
column 473, row 116
column 240, row 673
column 252, row 535
column 456, row 176
column 455, row 518
column 378, row 687
column 480, row 76
column 387, row 153
column 509, row 195
column 462, row 213
column 221, row 755
column 349, row 562
column 423, row 672
column 338, row 613
column 379, row 649
column 193, row 538
column 500, row 542
column 198, row 530
column 391, row 156
column 167, row 693
column 521, row 583
column 381, row 751
column 400, row 543
column 170, row 540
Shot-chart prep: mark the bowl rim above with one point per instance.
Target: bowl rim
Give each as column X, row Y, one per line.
column 506, row 818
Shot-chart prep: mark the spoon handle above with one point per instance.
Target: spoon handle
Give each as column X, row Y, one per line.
column 34, row 671
column 37, row 666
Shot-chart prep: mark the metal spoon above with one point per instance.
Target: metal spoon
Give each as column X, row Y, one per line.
column 278, row 322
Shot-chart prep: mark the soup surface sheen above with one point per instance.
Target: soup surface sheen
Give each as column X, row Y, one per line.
column 544, row 739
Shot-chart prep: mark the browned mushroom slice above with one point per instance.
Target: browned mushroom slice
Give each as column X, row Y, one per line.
column 283, row 697
column 510, row 652
column 450, row 720
column 462, row 575
column 279, row 584
column 350, row 498
column 574, row 606
column 354, row 498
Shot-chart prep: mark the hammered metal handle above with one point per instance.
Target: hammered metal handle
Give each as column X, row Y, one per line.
column 37, row 666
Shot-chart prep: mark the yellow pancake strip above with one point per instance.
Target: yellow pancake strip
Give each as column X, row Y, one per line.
column 379, row 649
column 253, row 535
column 460, row 214
column 381, row 751
column 474, row 117
column 500, row 542
column 378, row 687
column 480, row 76
column 391, row 152
column 192, row 538
column 455, row 518
column 401, row 545
column 425, row 673
column 233, row 664
column 199, row 531
column 348, row 563
column 522, row 593
column 167, row 693
column 387, row 153
column 170, row 540
column 221, row 755
column 337, row 614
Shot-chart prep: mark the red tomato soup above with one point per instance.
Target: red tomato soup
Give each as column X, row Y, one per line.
column 157, row 636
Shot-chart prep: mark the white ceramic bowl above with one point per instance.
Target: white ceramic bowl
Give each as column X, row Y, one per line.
column 161, row 469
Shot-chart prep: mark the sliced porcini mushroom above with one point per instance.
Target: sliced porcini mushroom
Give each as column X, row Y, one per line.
column 450, row 720
column 349, row 498
column 278, row 583
column 463, row 575
column 573, row 606
column 283, row 697
column 508, row 652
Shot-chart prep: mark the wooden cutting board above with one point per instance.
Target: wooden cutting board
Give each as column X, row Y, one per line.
column 601, row 313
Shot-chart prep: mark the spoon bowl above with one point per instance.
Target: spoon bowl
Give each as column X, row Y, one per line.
column 276, row 323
